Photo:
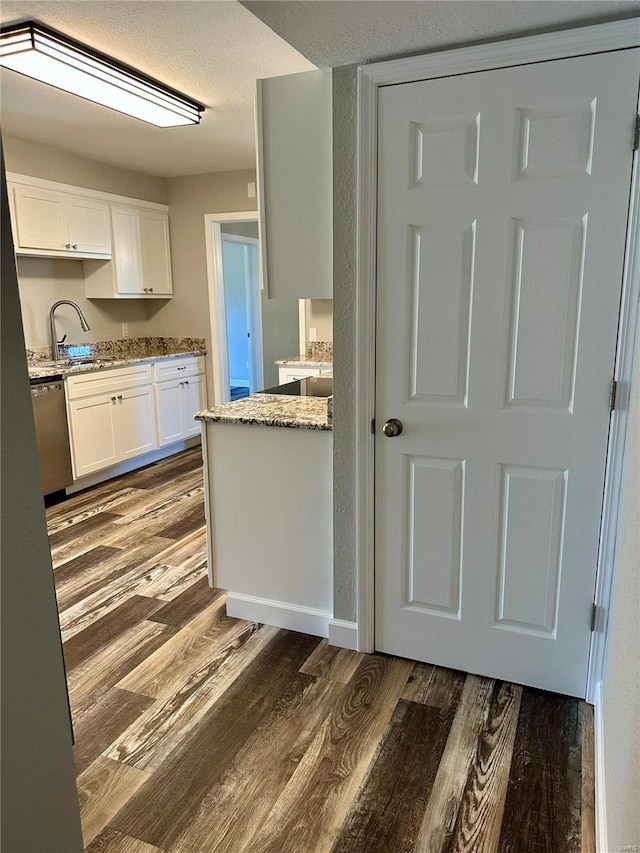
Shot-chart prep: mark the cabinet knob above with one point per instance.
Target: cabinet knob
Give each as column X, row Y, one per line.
column 187, row 382
column 113, row 399
column 75, row 245
column 67, row 245
column 119, row 396
column 145, row 289
column 150, row 290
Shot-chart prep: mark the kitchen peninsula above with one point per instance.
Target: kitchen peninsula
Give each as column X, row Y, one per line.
column 268, row 497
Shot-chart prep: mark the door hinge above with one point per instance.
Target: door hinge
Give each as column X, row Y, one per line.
column 594, row 616
column 613, row 400
column 373, row 426
column 636, row 134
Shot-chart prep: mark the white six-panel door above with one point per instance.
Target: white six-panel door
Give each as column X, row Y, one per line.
column 502, row 210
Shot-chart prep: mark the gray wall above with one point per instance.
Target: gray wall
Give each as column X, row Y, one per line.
column 190, row 197
column 621, row 685
column 43, row 161
column 344, row 341
column 39, row 802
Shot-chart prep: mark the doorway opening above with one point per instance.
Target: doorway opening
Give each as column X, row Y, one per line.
column 234, row 292
column 249, row 331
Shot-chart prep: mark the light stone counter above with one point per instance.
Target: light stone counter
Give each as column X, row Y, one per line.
column 276, row 410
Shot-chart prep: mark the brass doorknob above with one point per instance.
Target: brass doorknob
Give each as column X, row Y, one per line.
column 392, row 428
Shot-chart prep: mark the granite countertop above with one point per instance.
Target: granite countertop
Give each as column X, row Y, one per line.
column 304, row 361
column 318, row 354
column 64, row 368
column 278, row 410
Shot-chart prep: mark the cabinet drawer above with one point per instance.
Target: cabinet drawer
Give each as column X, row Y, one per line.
column 105, row 381
column 178, row 368
column 291, row 374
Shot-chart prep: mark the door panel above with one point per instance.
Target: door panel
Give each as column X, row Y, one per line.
column 136, row 422
column 127, row 249
column 39, row 218
column 88, row 223
column 193, row 396
column 169, row 407
column 502, row 210
column 92, row 425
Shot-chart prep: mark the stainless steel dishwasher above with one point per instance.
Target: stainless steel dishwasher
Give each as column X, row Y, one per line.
column 52, row 433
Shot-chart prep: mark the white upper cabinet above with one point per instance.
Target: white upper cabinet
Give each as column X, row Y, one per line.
column 141, row 266
column 59, row 224
column 294, row 137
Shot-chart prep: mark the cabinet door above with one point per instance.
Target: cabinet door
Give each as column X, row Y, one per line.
column 295, row 184
column 92, row 427
column 127, row 249
column 136, row 422
column 39, row 218
column 193, row 400
column 88, row 225
column 169, row 409
column 156, row 257
column 291, row 374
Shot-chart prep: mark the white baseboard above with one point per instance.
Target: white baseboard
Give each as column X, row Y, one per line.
column 294, row 617
column 130, row 465
column 343, row 634
column 602, row 845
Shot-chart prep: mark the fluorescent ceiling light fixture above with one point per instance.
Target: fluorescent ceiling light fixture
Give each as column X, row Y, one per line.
column 48, row 56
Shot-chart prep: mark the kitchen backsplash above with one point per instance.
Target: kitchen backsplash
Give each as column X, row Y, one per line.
column 320, row 350
column 121, row 348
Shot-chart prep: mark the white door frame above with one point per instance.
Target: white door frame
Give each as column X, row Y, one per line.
column 521, row 51
column 217, row 313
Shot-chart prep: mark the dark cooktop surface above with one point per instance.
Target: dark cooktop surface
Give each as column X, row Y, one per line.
column 312, row 386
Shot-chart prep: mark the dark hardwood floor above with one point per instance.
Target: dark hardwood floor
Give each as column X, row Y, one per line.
column 196, row 732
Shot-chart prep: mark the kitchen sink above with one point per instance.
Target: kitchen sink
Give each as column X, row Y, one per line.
column 78, row 362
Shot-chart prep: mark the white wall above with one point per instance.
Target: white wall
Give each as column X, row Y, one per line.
column 621, row 685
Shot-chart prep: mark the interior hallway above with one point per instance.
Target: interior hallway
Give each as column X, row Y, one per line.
column 196, row 732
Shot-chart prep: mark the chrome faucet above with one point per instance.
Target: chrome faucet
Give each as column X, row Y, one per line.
column 52, row 324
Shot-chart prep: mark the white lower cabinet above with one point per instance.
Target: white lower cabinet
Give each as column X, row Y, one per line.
column 178, row 399
column 108, row 428
column 111, row 417
column 121, row 413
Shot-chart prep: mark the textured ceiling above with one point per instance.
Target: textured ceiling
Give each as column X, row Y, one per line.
column 213, row 51
column 342, row 32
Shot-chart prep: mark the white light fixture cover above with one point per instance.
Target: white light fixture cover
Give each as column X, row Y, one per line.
column 52, row 58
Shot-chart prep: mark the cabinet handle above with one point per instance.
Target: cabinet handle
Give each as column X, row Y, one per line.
column 184, row 367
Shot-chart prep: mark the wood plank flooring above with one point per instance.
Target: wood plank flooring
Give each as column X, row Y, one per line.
column 196, row 732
